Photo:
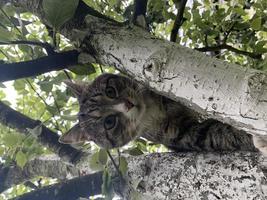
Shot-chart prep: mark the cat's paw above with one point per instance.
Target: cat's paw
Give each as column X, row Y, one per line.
column 260, row 143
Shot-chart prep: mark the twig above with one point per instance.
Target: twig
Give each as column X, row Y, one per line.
column 139, row 16
column 57, row 125
column 230, row 48
column 178, row 20
column 4, row 54
column 115, row 165
column 6, row 15
column 67, row 74
column 101, row 68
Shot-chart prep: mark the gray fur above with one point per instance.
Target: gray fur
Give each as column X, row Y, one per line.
column 140, row 112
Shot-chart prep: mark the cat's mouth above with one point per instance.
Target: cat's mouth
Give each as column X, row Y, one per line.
column 125, row 106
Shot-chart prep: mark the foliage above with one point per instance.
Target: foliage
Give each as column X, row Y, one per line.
column 240, row 23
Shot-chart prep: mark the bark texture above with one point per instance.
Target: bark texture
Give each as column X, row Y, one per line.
column 224, row 91
column 191, row 176
column 46, row 166
column 217, row 89
column 221, row 90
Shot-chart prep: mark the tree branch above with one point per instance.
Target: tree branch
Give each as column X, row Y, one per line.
column 46, row 137
column 236, row 175
column 181, row 74
column 42, row 65
column 230, row 48
column 85, row 186
column 178, row 20
column 46, row 166
column 82, row 10
column 139, row 16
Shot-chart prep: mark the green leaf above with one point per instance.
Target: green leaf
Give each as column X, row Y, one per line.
column 123, row 165
column 69, row 117
column 2, row 150
column 240, row 11
column 46, row 86
column 51, row 109
column 112, row 2
column 106, row 186
column 94, row 162
column 134, row 152
column 21, row 159
column 10, row 140
column 102, row 156
column 6, row 35
column 2, row 94
column 261, row 46
column 256, row 23
column 86, row 69
column 19, row 85
column 57, row 12
column 36, row 131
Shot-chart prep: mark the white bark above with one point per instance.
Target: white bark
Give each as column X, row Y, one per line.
column 227, row 92
column 46, row 166
column 193, row 176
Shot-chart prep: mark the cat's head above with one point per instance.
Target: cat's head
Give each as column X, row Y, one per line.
column 111, row 109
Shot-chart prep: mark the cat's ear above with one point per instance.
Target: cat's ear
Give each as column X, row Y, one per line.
column 76, row 88
column 75, row 135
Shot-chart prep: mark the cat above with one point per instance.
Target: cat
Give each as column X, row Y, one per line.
column 115, row 110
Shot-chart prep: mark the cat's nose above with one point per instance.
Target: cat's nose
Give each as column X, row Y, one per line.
column 128, row 104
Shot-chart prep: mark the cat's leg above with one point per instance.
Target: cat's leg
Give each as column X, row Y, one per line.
column 260, row 143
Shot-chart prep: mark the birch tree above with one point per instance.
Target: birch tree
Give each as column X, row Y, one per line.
column 81, row 39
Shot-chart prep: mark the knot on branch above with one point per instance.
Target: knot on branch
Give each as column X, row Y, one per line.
column 154, row 65
column 254, row 104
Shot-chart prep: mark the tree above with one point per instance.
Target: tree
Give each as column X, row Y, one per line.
column 79, row 42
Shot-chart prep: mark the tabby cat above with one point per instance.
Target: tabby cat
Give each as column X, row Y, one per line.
column 115, row 110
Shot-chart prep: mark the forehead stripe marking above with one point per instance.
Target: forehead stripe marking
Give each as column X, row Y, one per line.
column 93, row 100
column 96, row 94
column 93, row 109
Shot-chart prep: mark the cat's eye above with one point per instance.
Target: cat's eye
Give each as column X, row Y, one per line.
column 110, row 122
column 111, row 92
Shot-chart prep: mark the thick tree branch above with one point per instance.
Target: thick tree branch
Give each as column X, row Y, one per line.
column 46, row 166
column 12, row 71
column 139, row 16
column 190, row 176
column 230, row 48
column 198, row 81
column 85, row 186
column 46, row 137
column 178, row 20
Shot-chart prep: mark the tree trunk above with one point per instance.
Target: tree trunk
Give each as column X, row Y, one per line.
column 46, row 166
